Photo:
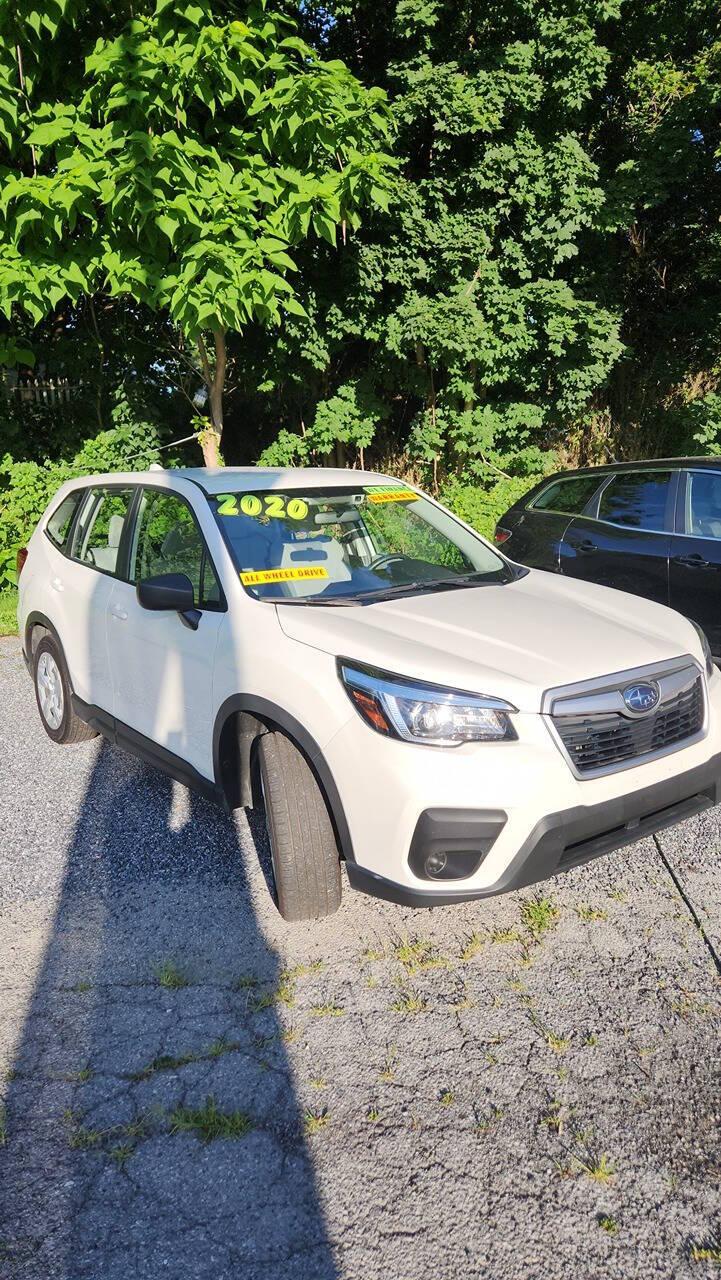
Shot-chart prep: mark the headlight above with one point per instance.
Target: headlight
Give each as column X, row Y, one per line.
column 705, row 646
column 416, row 712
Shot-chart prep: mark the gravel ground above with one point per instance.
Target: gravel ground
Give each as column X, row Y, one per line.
column 436, row 1094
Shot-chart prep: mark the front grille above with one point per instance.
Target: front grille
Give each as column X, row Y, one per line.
column 598, row 742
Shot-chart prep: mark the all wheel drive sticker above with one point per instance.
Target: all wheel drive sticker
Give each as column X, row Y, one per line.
column 259, row 576
column 274, row 506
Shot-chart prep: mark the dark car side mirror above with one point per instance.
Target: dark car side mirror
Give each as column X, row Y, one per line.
column 170, row 592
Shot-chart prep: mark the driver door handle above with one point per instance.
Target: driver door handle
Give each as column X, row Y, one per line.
column 693, row 561
column 586, row 547
column 117, row 612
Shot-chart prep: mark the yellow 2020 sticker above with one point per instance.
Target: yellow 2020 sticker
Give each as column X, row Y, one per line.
column 272, row 505
column 389, row 493
column 259, row 576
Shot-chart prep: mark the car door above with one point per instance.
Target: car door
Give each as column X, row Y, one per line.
column 534, row 533
column 695, row 564
column 82, row 582
column 163, row 669
column 626, row 542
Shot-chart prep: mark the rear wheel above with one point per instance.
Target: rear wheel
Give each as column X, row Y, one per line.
column 53, row 694
column 303, row 849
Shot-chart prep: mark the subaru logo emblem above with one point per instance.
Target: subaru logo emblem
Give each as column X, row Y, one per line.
column 641, row 697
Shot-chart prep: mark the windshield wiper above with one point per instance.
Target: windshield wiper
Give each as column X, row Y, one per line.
column 328, row 600
column 402, row 588
column 433, row 584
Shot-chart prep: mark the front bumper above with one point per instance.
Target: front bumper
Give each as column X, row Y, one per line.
column 569, row 838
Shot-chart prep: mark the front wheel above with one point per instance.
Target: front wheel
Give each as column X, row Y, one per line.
column 53, row 694
column 303, row 849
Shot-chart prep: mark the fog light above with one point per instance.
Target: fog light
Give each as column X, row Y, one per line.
column 436, row 864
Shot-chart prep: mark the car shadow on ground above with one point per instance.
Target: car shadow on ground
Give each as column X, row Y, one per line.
column 152, row 1120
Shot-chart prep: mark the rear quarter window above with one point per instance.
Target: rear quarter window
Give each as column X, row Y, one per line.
column 58, row 526
column 567, row 497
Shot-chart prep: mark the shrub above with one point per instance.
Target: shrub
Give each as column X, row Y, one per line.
column 483, row 507
column 27, row 487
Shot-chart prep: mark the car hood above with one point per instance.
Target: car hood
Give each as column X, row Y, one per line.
column 513, row 641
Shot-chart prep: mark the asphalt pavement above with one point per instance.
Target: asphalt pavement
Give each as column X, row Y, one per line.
column 523, row 1087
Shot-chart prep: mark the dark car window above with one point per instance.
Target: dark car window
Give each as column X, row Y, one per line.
column 637, row 499
column 703, row 504
column 58, row 526
column 100, row 527
column 567, row 497
column 168, row 540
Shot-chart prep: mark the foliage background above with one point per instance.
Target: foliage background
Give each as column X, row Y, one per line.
column 532, row 282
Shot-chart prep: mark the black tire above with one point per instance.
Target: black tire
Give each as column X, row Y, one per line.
column 69, row 727
column 306, row 865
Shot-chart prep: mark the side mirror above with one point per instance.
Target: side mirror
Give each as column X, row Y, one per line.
column 172, row 593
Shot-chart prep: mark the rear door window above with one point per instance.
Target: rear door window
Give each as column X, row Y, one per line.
column 58, row 526
column 99, row 528
column 567, row 497
column 703, row 504
column 637, row 500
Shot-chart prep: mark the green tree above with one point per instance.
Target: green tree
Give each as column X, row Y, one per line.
column 470, row 300
column 197, row 144
column 656, row 138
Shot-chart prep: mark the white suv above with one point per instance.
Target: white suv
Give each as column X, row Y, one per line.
column 399, row 695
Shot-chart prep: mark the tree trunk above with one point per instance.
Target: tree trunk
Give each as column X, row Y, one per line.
column 215, row 381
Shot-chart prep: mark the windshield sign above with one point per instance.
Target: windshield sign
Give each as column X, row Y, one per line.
column 350, row 545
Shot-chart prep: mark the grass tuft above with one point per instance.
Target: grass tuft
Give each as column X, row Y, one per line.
column 170, row 977
column 608, row 1224
column 447, row 1098
column 245, row 982
column 390, row 1061
column 585, row 911
column 502, row 936
column 409, row 1003
column 328, row 1011
column 471, row 946
column 314, row 1121
column 585, row 1159
column 121, row 1153
column 8, row 612
column 301, row 971
column 706, row 1253
column 79, row 1137
column 482, row 1123
column 539, row 915
column 82, row 1076
column 209, row 1123
column 415, row 954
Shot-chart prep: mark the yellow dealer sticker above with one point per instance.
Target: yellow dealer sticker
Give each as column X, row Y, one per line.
column 260, row 576
column 382, row 493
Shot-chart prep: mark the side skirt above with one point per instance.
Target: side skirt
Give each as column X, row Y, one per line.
column 136, row 744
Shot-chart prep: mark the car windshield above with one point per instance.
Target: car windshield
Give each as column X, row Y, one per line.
column 350, row 544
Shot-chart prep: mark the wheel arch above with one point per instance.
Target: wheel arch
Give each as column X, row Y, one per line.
column 38, row 625
column 240, row 721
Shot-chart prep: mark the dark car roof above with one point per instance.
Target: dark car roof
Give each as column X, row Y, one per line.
column 673, row 464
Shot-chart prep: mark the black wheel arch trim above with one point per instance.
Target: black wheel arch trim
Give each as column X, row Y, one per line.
column 265, row 712
column 37, row 619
